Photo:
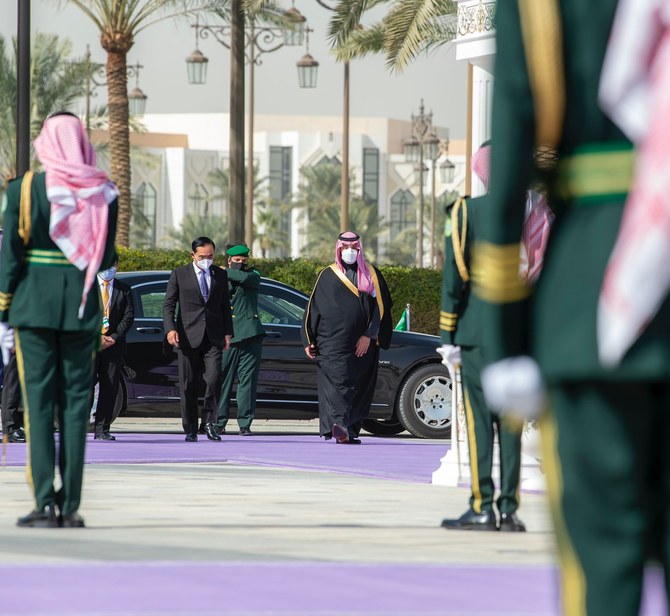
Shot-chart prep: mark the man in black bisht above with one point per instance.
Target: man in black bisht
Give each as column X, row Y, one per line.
column 347, row 319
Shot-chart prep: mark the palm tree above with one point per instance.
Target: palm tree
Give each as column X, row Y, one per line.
column 55, row 85
column 319, row 200
column 195, row 225
column 409, row 27
column 119, row 22
column 269, row 232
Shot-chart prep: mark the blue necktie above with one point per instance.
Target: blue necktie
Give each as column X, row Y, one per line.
column 203, row 286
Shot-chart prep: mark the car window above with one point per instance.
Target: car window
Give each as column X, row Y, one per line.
column 278, row 308
column 150, row 300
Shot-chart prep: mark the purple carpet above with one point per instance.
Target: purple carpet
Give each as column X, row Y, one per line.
column 376, row 457
column 286, row 589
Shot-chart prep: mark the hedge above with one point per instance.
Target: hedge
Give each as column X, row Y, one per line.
column 418, row 287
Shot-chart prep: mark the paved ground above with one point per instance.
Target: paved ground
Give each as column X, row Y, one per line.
column 276, row 524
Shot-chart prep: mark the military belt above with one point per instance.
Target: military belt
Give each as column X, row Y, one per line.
column 48, row 257
column 597, row 172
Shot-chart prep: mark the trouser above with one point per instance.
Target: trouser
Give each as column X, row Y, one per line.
column 108, row 374
column 12, row 418
column 194, row 365
column 56, row 373
column 481, row 422
column 607, row 460
column 244, row 359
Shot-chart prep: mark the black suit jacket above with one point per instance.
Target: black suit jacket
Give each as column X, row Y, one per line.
column 121, row 316
column 194, row 317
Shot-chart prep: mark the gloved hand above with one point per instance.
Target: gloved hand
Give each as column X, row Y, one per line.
column 6, row 342
column 514, row 386
column 451, row 357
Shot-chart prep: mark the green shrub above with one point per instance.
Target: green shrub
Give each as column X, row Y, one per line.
column 418, row 287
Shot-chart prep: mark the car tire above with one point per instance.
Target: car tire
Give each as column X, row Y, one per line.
column 383, row 427
column 121, row 401
column 424, row 402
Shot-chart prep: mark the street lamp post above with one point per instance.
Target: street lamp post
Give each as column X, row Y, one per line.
column 23, row 88
column 245, row 44
column 423, row 144
column 96, row 77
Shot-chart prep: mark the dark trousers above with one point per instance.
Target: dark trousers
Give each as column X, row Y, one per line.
column 481, row 423
column 56, row 373
column 607, row 460
column 107, row 374
column 12, row 418
column 194, row 365
column 244, row 359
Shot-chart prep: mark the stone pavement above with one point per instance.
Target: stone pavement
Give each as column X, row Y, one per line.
column 305, row 528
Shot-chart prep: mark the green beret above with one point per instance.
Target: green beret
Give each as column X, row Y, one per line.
column 240, row 250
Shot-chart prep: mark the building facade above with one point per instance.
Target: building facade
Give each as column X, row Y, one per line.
column 179, row 168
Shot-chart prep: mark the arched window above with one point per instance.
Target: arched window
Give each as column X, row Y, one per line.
column 403, row 214
column 198, row 200
column 145, row 218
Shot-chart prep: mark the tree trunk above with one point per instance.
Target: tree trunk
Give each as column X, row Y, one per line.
column 119, row 138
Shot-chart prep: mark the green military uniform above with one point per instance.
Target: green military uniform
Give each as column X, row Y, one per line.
column 40, row 294
column 243, row 358
column 461, row 324
column 607, row 428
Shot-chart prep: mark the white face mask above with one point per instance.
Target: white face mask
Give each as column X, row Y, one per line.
column 107, row 274
column 349, row 255
column 204, row 264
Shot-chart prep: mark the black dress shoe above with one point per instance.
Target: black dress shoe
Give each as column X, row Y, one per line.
column 104, row 436
column 471, row 520
column 21, row 432
column 191, row 438
column 44, row 518
column 340, row 434
column 201, row 429
column 71, row 520
column 246, row 432
column 211, row 432
column 17, row 436
column 510, row 523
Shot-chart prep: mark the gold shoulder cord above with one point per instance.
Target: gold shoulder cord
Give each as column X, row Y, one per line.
column 542, row 41
column 24, row 208
column 458, row 240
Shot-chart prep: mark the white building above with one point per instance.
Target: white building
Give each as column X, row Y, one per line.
column 186, row 148
column 475, row 44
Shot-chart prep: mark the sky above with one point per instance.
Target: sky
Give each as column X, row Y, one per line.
column 439, row 79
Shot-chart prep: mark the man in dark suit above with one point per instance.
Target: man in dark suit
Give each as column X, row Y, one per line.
column 199, row 330
column 117, row 318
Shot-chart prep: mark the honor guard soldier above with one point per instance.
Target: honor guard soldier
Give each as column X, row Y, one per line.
column 605, row 428
column 243, row 358
column 461, row 321
column 59, row 229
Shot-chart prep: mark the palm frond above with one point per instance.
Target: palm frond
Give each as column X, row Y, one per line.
column 347, row 17
column 362, row 42
column 408, row 25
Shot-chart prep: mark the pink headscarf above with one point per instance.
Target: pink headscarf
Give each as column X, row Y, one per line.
column 481, row 164
column 364, row 279
column 79, row 193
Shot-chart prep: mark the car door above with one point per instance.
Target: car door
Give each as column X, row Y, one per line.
column 155, row 364
column 287, row 376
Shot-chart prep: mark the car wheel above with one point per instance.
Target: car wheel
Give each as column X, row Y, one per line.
column 121, row 401
column 383, row 427
column 424, row 403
